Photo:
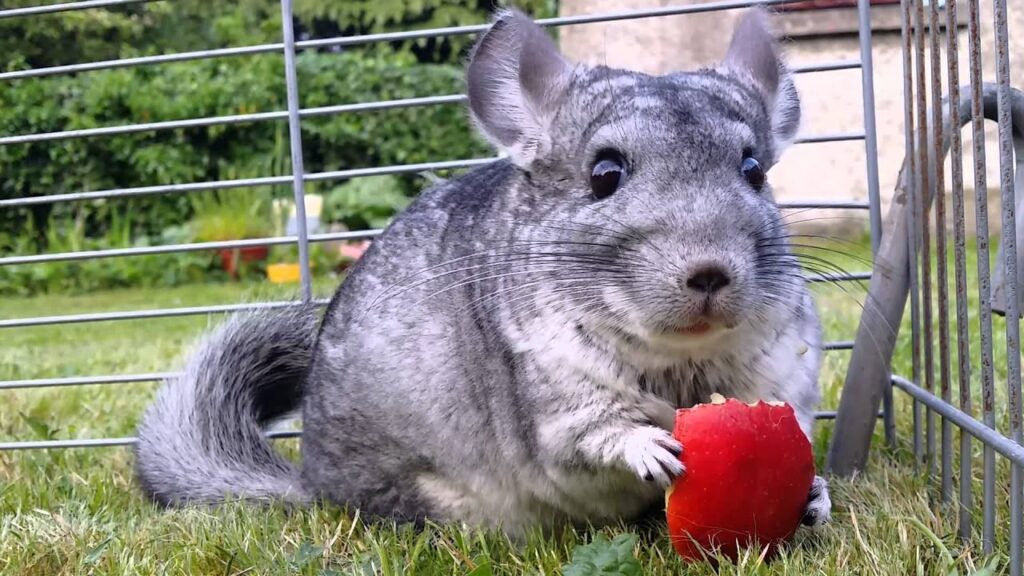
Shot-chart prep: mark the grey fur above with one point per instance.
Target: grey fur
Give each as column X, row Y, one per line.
column 508, row 353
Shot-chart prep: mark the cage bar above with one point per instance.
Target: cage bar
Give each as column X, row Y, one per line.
column 926, row 179
column 67, row 7
column 1009, row 245
column 913, row 185
column 959, row 264
column 376, row 38
column 984, row 282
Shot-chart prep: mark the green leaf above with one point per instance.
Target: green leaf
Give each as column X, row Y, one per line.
column 306, row 555
column 612, row 558
column 42, row 429
column 96, row 553
column 483, row 567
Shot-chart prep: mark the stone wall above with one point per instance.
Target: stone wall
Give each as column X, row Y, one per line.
column 831, row 100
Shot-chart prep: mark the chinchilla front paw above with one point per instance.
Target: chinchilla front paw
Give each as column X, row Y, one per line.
column 653, row 455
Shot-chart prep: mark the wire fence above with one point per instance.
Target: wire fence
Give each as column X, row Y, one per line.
column 903, row 266
column 294, row 116
column 915, row 258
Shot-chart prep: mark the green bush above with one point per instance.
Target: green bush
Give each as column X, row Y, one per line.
column 208, row 88
column 68, row 235
column 365, row 202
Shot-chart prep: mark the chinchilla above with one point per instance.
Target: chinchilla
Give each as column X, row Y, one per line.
column 510, row 352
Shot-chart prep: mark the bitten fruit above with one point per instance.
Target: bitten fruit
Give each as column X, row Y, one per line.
column 749, row 470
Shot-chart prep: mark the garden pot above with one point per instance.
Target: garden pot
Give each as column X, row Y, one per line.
column 352, row 251
column 229, row 257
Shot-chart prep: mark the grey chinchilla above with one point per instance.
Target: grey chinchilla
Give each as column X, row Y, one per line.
column 510, row 352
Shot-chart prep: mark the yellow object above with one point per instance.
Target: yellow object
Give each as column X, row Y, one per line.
column 284, row 273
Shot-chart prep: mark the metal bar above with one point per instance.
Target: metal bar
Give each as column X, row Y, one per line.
column 67, row 7
column 870, row 138
column 552, row 22
column 139, row 61
column 303, row 113
column 850, row 277
column 913, row 190
column 375, row 38
column 927, row 179
column 160, row 313
column 871, row 161
column 233, row 119
column 838, row 346
column 247, row 182
column 1009, row 245
column 295, row 144
column 939, row 176
column 321, row 177
column 984, row 276
column 830, row 137
column 832, row 414
column 172, row 248
column 86, row 380
column 108, row 442
column 129, row 440
column 1001, row 444
column 963, row 347
column 148, row 314
column 814, row 204
column 146, row 191
column 830, row 66
column 272, row 241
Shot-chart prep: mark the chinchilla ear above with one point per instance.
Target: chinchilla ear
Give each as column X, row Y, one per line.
column 754, row 54
column 515, row 80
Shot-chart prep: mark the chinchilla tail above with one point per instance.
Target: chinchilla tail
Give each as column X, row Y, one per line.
column 203, row 438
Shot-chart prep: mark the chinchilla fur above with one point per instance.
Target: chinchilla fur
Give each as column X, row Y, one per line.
column 509, row 353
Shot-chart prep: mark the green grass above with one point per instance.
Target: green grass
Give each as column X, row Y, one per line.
column 78, row 511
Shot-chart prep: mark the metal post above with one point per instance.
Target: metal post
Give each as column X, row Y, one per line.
column 913, row 191
column 984, row 277
column 963, row 346
column 871, row 155
column 295, row 139
column 1006, row 186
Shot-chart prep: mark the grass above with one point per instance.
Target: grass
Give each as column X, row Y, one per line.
column 78, row 511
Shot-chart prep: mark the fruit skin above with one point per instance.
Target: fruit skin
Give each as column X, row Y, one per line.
column 749, row 470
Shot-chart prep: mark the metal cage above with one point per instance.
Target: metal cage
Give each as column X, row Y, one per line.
column 902, row 266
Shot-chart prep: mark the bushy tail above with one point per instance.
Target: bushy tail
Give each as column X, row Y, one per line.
column 202, row 440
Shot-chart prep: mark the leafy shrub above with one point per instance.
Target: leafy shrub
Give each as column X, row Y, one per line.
column 209, row 88
column 68, row 235
column 365, row 203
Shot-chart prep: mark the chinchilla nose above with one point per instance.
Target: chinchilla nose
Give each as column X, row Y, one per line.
column 708, row 279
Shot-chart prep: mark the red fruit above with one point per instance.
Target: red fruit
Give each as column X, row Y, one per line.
column 749, row 470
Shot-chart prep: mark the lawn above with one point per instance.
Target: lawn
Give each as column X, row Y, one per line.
column 78, row 511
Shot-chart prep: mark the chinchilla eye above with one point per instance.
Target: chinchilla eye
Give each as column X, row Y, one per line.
column 752, row 171
column 608, row 175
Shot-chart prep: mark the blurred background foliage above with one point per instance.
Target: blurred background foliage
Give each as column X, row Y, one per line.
column 200, row 88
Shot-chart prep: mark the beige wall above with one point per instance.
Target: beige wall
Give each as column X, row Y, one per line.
column 831, row 100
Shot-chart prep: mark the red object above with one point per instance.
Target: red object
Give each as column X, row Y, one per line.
column 749, row 470
column 825, row 4
column 229, row 257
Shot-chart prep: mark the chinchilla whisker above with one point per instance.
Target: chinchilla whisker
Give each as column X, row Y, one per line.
column 501, row 259
column 548, row 295
column 523, row 302
column 639, row 237
column 472, row 281
column 494, row 251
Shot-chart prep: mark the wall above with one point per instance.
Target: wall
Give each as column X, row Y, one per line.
column 831, row 100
